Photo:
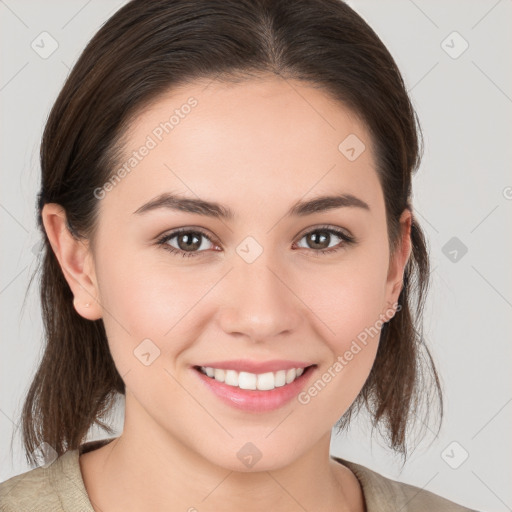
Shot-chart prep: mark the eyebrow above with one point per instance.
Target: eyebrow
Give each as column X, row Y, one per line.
column 212, row 209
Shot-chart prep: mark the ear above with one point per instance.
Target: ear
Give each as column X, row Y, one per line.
column 398, row 261
column 75, row 261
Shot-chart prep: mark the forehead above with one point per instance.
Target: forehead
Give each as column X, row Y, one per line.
column 260, row 139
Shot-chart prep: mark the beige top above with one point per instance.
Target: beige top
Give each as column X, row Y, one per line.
column 60, row 487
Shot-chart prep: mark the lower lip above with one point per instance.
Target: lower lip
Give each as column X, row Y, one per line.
column 255, row 400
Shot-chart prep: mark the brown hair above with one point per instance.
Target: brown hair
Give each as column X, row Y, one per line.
column 146, row 48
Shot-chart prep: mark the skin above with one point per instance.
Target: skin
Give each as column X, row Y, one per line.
column 257, row 147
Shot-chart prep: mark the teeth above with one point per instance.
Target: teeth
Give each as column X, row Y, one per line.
column 231, row 378
column 246, row 380
column 280, row 378
column 290, row 375
column 219, row 375
column 265, row 381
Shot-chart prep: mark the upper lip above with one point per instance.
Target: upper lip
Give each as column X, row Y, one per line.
column 245, row 365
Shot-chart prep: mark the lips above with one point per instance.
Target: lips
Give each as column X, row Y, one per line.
column 260, row 400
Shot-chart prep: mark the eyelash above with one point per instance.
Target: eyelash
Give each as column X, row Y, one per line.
column 347, row 240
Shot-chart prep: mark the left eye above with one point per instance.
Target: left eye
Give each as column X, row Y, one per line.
column 319, row 236
column 190, row 244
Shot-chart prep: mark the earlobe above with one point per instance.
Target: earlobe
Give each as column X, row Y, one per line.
column 88, row 310
column 75, row 261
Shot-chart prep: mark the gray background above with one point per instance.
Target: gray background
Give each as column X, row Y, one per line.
column 463, row 197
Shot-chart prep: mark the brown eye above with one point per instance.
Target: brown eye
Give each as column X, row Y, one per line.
column 320, row 239
column 189, row 242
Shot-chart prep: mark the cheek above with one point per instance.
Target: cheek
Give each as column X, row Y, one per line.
column 349, row 297
column 351, row 320
column 147, row 298
column 349, row 302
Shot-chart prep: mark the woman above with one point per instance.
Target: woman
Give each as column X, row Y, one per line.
column 230, row 244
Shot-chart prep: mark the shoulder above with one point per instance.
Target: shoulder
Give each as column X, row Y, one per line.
column 25, row 491
column 383, row 494
column 53, row 488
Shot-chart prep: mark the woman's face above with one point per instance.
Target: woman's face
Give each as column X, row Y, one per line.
column 253, row 287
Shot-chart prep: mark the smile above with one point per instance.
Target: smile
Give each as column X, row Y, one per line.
column 255, row 392
column 245, row 380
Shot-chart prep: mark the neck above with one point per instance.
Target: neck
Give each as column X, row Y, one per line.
column 147, row 469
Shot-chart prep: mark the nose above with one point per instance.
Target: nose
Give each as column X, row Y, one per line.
column 260, row 301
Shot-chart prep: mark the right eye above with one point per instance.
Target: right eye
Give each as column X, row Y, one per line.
column 186, row 239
